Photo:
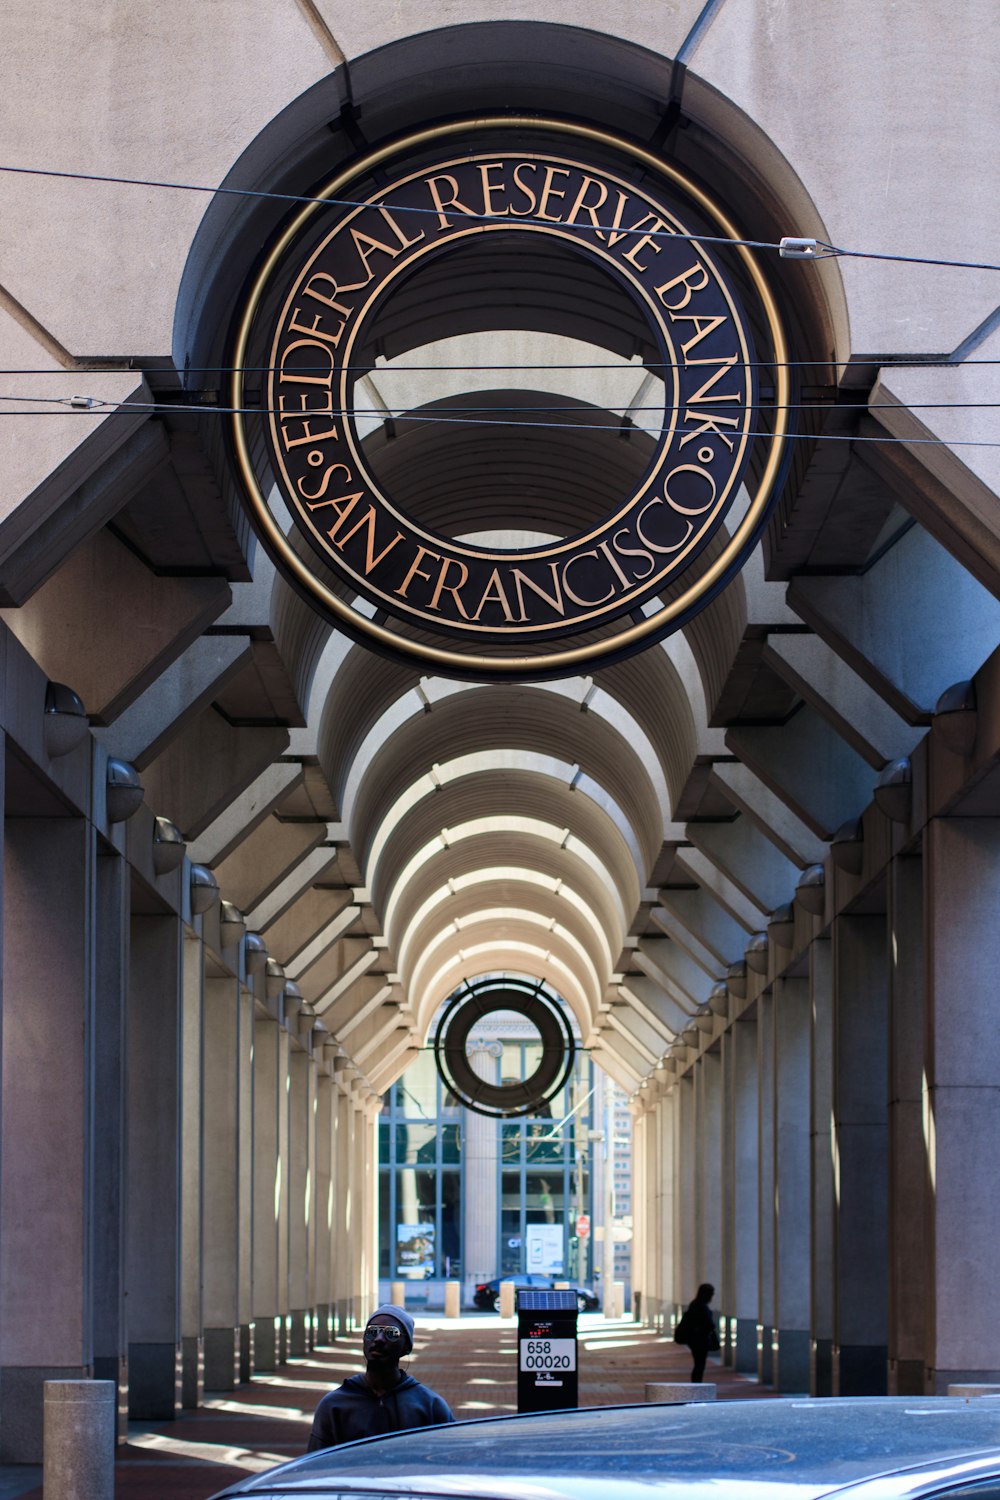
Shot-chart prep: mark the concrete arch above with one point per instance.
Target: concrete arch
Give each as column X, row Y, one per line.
column 470, row 774
column 495, row 929
column 464, row 720
column 505, row 840
column 513, row 902
column 529, row 806
column 517, row 955
column 561, row 901
column 488, row 860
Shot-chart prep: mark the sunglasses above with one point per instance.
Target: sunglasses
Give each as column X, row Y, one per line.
column 391, row 1333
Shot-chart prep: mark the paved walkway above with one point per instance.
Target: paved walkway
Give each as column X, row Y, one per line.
column 472, row 1363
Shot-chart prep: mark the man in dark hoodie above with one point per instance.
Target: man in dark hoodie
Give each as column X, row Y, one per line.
column 383, row 1399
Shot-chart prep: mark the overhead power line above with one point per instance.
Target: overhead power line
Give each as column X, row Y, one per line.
column 474, row 412
column 88, row 405
column 790, row 246
column 914, row 362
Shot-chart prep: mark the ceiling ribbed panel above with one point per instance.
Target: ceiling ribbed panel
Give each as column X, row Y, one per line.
column 525, row 797
column 508, row 458
column 448, row 906
column 514, row 718
column 491, row 947
column 507, row 851
column 649, row 688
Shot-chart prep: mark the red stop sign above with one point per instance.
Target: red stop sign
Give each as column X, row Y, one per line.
column 582, row 1226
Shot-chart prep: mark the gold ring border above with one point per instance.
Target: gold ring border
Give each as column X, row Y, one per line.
column 553, row 663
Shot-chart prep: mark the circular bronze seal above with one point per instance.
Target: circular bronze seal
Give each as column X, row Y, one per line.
column 460, row 603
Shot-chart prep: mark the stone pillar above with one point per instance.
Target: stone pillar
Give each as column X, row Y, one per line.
column 646, row 1214
column 323, row 1222
column 270, row 1190
column 480, row 1190
column 45, row 1329
column 667, row 1189
column 908, row 1198
column 343, row 1219
column 110, row 1335
column 860, row 1115
column 155, row 1109
column 361, row 1221
column 765, row 1188
column 962, row 1101
column 301, row 1192
column 225, row 1248
column 822, row 1195
column 191, row 1143
column 712, row 1170
column 745, row 1209
column 371, row 1288
column 792, row 1148
column 675, row 1284
column 244, row 1166
column 688, row 1267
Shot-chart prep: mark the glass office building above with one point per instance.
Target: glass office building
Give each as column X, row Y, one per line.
column 466, row 1197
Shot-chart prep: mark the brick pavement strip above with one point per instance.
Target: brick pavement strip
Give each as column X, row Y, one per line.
column 471, row 1363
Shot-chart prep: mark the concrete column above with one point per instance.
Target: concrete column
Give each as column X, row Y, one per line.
column 156, row 1104
column 712, row 1170
column 674, row 1284
column 45, row 1331
column 668, row 1204
column 726, row 1292
column 225, row 1248
column 244, row 1301
column 908, row 1198
column 192, row 1141
column 343, row 1243
column 688, row 1267
column 962, row 1101
column 745, row 1202
column 861, row 1158
column 361, row 1217
column 646, row 1257
column 766, row 1309
column 323, row 1222
column 479, row 1209
column 792, row 1147
column 110, row 1336
column 270, row 1190
column 823, row 1189
column 301, row 1194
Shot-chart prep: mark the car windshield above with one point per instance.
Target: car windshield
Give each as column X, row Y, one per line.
column 806, row 1448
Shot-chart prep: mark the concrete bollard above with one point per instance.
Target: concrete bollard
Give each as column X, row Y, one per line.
column 397, row 1293
column 679, row 1390
column 507, row 1290
column 614, row 1300
column 973, row 1390
column 452, row 1299
column 78, row 1439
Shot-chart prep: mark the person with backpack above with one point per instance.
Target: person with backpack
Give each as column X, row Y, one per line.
column 697, row 1330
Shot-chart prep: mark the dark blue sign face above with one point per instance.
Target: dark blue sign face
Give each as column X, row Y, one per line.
column 311, row 325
